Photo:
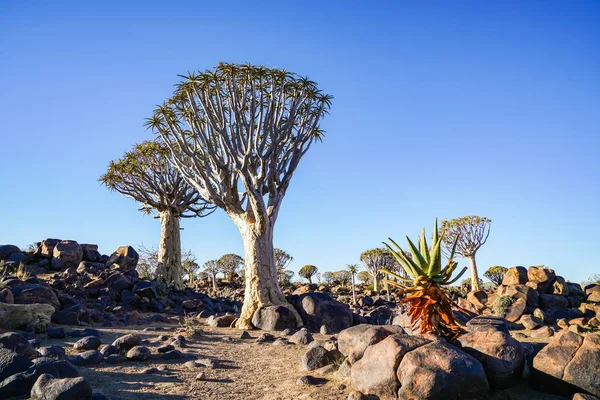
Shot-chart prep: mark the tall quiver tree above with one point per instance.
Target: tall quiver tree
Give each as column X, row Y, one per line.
column 229, row 265
column 242, row 131
column 376, row 259
column 146, row 175
column 472, row 232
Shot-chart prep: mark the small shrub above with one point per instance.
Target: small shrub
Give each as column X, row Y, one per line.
column 502, row 304
column 192, row 326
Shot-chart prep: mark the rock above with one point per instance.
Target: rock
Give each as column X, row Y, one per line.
column 17, row 343
column 348, row 338
column 318, row 357
column 325, row 330
column 21, row 383
column 145, row 289
column 87, row 343
column 206, row 362
column 548, row 301
column 559, row 286
column 485, row 322
column 478, row 298
column 542, row 332
column 200, row 376
column 440, row 371
column 540, row 274
column 369, row 337
column 55, row 332
column 99, row 396
column 310, row 380
column 516, row 310
column 6, row 250
column 11, row 363
column 375, row 372
column 49, row 388
column 303, row 336
column 126, row 343
column 118, row 282
column 46, row 247
column 29, row 317
column 265, row 337
column 318, row 309
column 66, row 369
column 583, row 396
column 172, row 355
column 115, row 359
column 55, row 352
column 35, row 294
column 125, row 256
column 245, row 335
column 530, row 322
column 89, row 267
column 224, row 321
column 139, row 353
column 515, row 276
column 90, row 252
column 530, row 295
column 502, row 357
column 68, row 252
column 274, row 318
column 89, row 357
column 6, row 296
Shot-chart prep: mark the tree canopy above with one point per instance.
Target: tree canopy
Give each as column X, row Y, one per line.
column 307, row 272
column 495, row 274
column 472, row 232
column 229, row 264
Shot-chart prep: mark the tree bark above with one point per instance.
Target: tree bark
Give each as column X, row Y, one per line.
column 376, row 283
column 474, row 274
column 353, row 291
column 262, row 284
column 169, row 267
column 214, row 281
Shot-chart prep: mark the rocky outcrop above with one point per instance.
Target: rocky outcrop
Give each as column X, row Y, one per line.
column 28, row 317
column 317, row 309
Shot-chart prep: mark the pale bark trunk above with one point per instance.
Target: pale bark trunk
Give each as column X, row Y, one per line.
column 353, row 291
column 214, row 281
column 262, row 284
column 474, row 274
column 376, row 283
column 169, row 267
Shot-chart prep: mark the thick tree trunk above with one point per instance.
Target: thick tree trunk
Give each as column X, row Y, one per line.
column 262, row 285
column 474, row 274
column 169, row 267
column 214, row 281
column 376, row 283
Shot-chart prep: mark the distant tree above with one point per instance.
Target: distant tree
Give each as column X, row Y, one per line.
column 467, row 284
column 592, row 279
column 353, row 269
column 343, row 277
column 212, row 268
column 307, row 272
column 189, row 265
column 328, row 277
column 365, row 277
column 147, row 262
column 229, row 265
column 282, row 261
column 318, row 277
column 243, row 130
column 286, row 277
column 146, row 175
column 472, row 232
column 376, row 259
column 495, row 274
column 202, row 275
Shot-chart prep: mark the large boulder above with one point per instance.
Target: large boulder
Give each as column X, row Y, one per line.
column 548, row 301
column 125, row 256
column 35, row 294
column 69, row 253
column 46, row 247
column 515, row 276
column 502, row 357
column 118, row 282
column 317, row 357
column 274, row 318
column 317, row 309
column 485, row 322
column 90, row 252
column 370, row 337
column 569, row 364
column 376, row 372
column 560, row 287
column 49, row 388
column 540, row 274
column 28, row 317
column 12, row 362
column 6, row 250
column 20, row 384
column 439, row 371
column 17, row 343
column 530, row 295
column 126, row 343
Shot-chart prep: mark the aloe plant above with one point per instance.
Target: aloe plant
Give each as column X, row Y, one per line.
column 429, row 305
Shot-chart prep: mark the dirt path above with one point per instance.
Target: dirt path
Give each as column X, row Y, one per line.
column 247, row 370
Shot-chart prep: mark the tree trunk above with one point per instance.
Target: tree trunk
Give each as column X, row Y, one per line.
column 353, row 291
column 169, row 267
column 262, row 285
column 309, row 280
column 474, row 275
column 376, row 283
column 214, row 279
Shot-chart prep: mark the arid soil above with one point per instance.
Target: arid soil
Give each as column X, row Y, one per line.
column 246, row 370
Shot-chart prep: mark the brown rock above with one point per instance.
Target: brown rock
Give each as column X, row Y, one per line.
column 540, row 274
column 478, row 298
column 516, row 310
column 68, row 252
column 559, row 286
column 515, row 276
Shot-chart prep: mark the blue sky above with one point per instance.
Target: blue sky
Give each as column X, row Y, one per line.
column 441, row 109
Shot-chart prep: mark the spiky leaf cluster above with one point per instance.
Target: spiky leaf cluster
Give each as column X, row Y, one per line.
column 146, row 175
column 241, row 130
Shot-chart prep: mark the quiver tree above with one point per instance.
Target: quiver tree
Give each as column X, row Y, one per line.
column 237, row 135
column 229, row 265
column 282, row 261
column 364, row 277
column 495, row 274
column 376, row 259
column 353, row 269
column 307, row 272
column 212, row 268
column 472, row 233
column 189, row 265
column 146, row 175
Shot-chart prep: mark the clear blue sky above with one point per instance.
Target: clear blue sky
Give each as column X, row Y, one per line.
column 441, row 109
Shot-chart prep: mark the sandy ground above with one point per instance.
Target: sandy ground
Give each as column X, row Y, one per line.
column 246, row 370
